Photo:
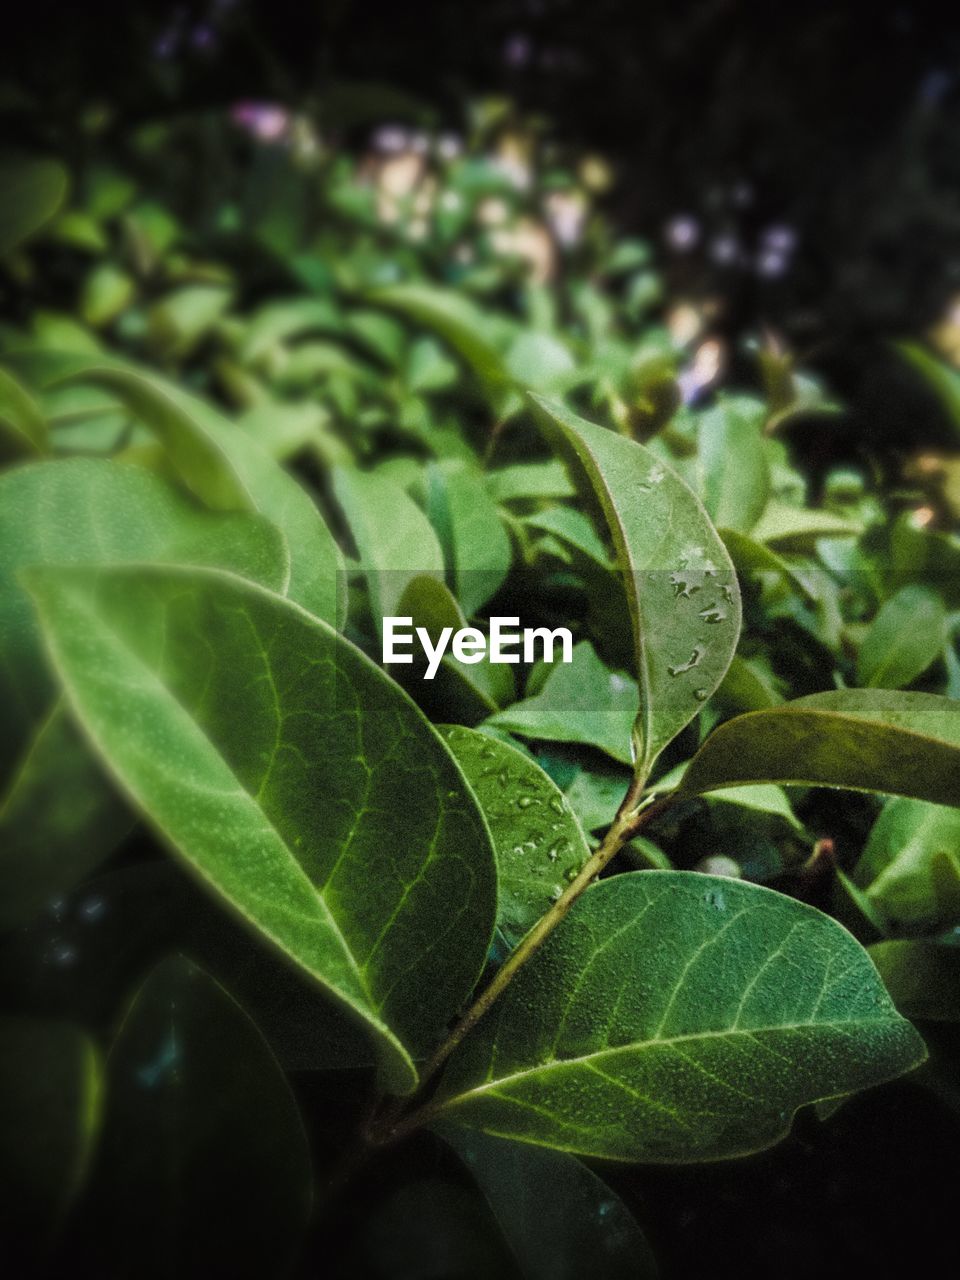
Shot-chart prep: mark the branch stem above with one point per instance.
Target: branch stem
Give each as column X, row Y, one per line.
column 631, row 817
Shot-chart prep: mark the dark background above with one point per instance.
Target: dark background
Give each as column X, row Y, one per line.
column 837, row 122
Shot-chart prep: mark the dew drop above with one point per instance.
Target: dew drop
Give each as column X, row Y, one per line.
column 526, row 801
column 701, row 695
column 692, row 661
column 713, row 614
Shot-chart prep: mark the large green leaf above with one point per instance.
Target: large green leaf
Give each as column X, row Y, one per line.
column 49, row 1111
column 538, row 841
column 681, row 586
column 904, row 638
column 580, row 701
column 293, row 776
column 560, row 1220
column 863, row 739
column 89, row 511
column 31, row 191
column 910, row 867
column 674, row 1017
column 204, row 1167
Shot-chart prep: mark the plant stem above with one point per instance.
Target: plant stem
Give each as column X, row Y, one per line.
column 629, row 820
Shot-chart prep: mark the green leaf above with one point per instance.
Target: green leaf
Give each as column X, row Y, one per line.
column 530, row 481
column 49, row 1113
column 938, row 375
column 538, row 841
column 293, row 776
column 799, row 527
column 676, row 1017
column 33, row 191
column 107, row 291
column 573, row 527
column 540, row 361
column 226, row 468
column 750, row 556
column 59, row 819
column 481, row 550
column 749, row 686
column 763, row 797
column 735, row 479
column 681, row 586
column 580, row 701
column 204, row 1167
column 923, row 978
column 910, row 867
column 595, row 797
column 89, row 511
column 179, row 321
column 904, row 639
column 394, row 538
column 560, row 1220
column 862, row 739
column 23, row 428
column 454, row 319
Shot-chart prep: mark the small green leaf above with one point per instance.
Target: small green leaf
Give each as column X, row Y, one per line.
column 938, row 375
column 799, row 527
column 681, row 586
column 531, row 481
column 33, row 191
column 923, row 978
column 580, row 701
column 293, row 776
column 910, row 867
column 204, row 1167
column 394, row 538
column 49, row 1114
column 107, row 291
column 904, row 639
column 595, row 797
column 735, row 478
column 560, row 1220
column 539, row 843
column 862, row 739
column 676, row 1017
column 573, row 527
column 23, row 428
column 481, row 550
column 454, row 319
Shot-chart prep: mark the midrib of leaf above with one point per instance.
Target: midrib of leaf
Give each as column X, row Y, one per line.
column 651, row 1045
column 145, row 675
